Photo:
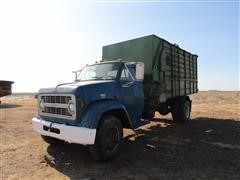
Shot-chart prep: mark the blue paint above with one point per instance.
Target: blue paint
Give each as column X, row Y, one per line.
column 94, row 112
column 101, row 96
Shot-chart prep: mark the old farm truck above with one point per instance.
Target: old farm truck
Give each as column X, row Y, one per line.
column 134, row 79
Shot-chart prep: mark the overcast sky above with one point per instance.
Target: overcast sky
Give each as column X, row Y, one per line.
column 41, row 42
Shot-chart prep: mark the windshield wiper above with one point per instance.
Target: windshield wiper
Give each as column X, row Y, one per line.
column 97, row 78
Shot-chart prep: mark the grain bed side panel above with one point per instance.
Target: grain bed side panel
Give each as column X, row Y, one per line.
column 179, row 68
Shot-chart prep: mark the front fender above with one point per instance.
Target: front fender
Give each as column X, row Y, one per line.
column 94, row 112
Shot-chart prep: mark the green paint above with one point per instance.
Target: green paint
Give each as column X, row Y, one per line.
column 169, row 70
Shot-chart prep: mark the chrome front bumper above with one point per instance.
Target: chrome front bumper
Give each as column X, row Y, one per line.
column 71, row 134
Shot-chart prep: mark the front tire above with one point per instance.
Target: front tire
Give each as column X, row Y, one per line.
column 108, row 139
column 181, row 110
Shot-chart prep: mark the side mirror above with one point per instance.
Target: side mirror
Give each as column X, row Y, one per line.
column 139, row 71
column 77, row 73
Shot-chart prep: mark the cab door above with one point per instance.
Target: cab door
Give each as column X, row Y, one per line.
column 132, row 96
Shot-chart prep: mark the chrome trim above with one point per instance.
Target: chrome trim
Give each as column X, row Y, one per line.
column 57, row 105
column 71, row 116
column 68, row 133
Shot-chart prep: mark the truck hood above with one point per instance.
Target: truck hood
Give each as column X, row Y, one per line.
column 72, row 87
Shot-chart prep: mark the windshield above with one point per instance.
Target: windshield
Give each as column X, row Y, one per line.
column 106, row 71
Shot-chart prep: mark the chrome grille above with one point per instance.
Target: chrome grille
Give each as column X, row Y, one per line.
column 56, row 99
column 55, row 110
column 56, row 105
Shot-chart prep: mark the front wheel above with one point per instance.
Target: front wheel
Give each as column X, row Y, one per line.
column 108, row 139
column 181, row 109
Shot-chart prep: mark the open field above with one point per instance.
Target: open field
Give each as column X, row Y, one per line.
column 208, row 147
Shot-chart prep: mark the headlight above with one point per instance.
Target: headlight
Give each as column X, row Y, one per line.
column 41, row 104
column 71, row 107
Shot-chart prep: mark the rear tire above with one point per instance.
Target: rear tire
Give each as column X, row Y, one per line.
column 51, row 140
column 108, row 139
column 181, row 110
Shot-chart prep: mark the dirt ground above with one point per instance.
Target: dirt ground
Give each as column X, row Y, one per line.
column 208, row 147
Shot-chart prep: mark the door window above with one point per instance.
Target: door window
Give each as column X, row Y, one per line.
column 126, row 76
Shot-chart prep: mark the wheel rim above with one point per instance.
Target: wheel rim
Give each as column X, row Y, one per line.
column 187, row 110
column 111, row 139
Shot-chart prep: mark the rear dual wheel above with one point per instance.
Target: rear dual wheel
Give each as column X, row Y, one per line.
column 181, row 109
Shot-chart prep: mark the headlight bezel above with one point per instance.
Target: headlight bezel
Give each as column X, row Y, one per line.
column 41, row 104
column 71, row 107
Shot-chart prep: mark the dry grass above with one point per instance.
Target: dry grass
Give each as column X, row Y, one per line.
column 206, row 148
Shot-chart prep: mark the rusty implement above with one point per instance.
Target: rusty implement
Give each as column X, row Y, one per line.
column 5, row 88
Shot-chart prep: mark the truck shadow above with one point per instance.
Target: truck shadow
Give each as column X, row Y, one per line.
column 201, row 149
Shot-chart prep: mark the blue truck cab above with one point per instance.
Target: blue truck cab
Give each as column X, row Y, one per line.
column 93, row 110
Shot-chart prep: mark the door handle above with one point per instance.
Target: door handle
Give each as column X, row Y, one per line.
column 127, row 84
